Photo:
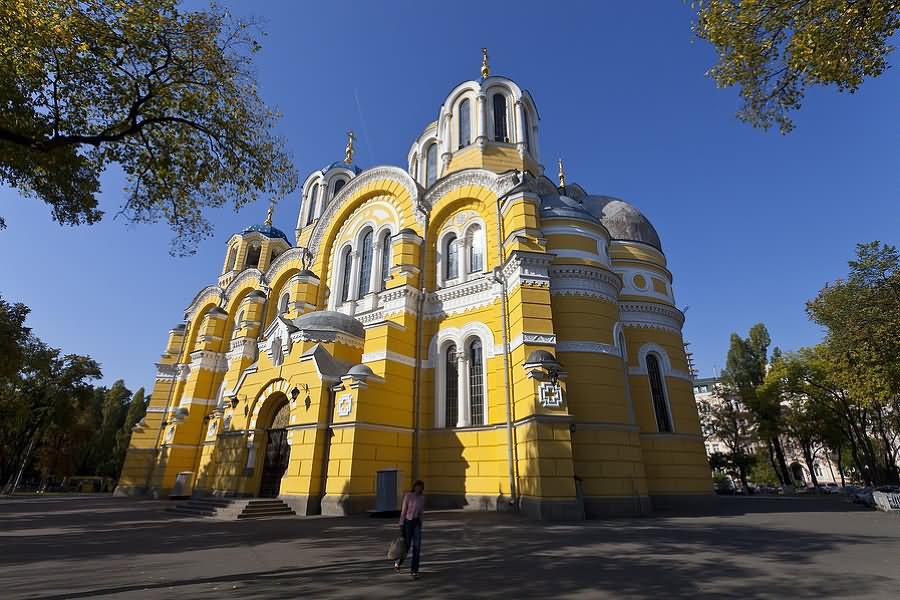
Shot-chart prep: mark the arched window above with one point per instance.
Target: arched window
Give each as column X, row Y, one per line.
column 385, row 258
column 431, row 166
column 311, row 214
column 284, row 302
column 346, row 268
column 451, row 257
column 253, row 255
column 501, row 133
column 658, row 391
column 476, row 383
column 451, row 387
column 232, row 256
column 465, row 124
column 365, row 267
column 476, row 250
column 338, row 186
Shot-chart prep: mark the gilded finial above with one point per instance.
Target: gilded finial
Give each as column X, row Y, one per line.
column 269, row 214
column 485, row 69
column 562, row 174
column 348, row 151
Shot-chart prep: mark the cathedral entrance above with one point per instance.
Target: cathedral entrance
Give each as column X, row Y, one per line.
column 278, row 453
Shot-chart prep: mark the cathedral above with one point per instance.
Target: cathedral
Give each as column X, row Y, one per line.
column 510, row 339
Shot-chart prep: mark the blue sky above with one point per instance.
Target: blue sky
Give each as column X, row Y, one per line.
column 753, row 223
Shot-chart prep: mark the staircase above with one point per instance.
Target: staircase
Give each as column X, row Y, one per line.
column 232, row 509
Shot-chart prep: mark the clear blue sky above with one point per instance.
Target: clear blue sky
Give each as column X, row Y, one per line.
column 753, row 223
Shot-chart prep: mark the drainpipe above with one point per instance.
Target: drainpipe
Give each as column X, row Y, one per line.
column 417, row 377
column 507, row 380
column 326, row 451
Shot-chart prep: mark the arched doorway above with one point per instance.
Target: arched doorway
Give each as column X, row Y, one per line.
column 797, row 472
column 278, row 452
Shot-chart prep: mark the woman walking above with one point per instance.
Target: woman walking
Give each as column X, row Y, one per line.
column 411, row 525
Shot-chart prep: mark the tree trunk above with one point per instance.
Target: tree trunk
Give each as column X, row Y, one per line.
column 840, row 465
column 742, row 472
column 782, row 470
column 810, row 464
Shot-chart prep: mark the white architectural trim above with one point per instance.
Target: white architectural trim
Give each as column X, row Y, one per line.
column 588, row 347
column 532, row 339
column 396, row 357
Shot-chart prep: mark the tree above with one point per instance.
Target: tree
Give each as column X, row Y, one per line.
column 745, row 372
column 734, row 427
column 13, row 334
column 167, row 95
column 137, row 408
column 861, row 315
column 774, row 50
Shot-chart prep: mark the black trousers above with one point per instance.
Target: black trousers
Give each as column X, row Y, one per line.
column 412, row 534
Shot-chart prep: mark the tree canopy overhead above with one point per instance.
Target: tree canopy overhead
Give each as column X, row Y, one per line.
column 167, row 95
column 773, row 50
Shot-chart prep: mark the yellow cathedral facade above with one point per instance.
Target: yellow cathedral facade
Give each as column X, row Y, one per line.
column 509, row 339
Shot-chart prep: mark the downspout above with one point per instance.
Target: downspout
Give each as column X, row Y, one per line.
column 326, row 451
column 507, row 380
column 417, row 377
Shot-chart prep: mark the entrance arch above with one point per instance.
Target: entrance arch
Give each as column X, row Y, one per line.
column 278, row 452
column 797, row 472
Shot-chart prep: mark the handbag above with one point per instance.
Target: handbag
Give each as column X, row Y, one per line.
column 397, row 550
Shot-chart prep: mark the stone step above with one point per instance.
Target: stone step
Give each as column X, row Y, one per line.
column 231, row 509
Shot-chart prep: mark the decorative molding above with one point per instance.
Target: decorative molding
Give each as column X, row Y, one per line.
column 550, row 395
column 242, row 347
column 345, row 405
column 166, row 372
column 350, row 190
column 318, row 335
column 651, row 315
column 584, row 280
column 208, row 360
column 588, row 347
column 532, row 339
column 498, row 184
column 527, row 269
column 474, row 293
column 201, row 298
column 389, row 355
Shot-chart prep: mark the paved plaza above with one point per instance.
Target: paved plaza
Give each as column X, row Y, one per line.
column 102, row 547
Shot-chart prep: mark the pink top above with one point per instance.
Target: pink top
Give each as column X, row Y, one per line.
column 413, row 507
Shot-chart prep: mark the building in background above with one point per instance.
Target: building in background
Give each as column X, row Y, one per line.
column 512, row 340
column 824, row 463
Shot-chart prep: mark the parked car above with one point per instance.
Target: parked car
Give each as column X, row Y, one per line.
column 865, row 495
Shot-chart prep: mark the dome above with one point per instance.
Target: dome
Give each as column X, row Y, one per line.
column 266, row 230
column 360, row 371
column 339, row 164
column 622, row 220
column 554, row 205
column 540, row 357
column 328, row 320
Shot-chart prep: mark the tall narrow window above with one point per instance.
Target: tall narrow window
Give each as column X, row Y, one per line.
column 451, row 388
column 338, row 186
column 365, row 267
column 465, row 124
column 237, row 324
column 284, row 302
column 253, row 255
column 431, row 167
column 501, row 133
column 385, row 259
column 658, row 391
column 476, row 250
column 232, row 256
column 451, row 258
column 476, row 383
column 311, row 214
column 347, row 267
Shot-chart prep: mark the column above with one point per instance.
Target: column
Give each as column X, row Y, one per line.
column 520, row 126
column 481, row 120
column 465, row 245
column 377, row 276
column 354, row 280
column 463, row 418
